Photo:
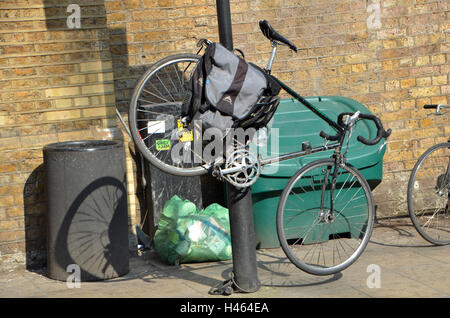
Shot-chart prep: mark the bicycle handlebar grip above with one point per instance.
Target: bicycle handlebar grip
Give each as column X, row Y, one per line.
column 328, row 137
column 430, row 106
column 381, row 133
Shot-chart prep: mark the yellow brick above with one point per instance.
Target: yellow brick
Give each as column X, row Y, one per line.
column 95, row 112
column 425, row 91
column 439, row 100
column 92, row 78
column 63, row 114
column 358, row 68
column 9, row 143
column 438, row 59
column 376, row 87
column 200, row 11
column 439, row 80
column 406, row 61
column 423, row 81
column 106, row 77
column 411, row 123
column 447, row 130
column 409, row 82
column 427, row 132
column 131, row 4
column 7, row 201
column 346, row 69
column 97, row 89
column 77, row 79
column 389, row 44
column 3, row 120
column 109, row 99
column 95, row 66
column 422, row 60
column 392, row 85
column 397, row 115
column 81, row 101
column 37, row 141
column 426, row 122
column 95, row 100
column 63, row 103
column 74, row 135
column 390, row 65
column 358, row 58
column 63, row 91
column 407, row 104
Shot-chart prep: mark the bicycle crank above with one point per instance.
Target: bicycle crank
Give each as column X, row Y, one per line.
column 242, row 168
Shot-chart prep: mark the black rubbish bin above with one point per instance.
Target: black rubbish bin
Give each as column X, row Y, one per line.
column 87, row 210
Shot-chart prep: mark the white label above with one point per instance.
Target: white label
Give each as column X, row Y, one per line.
column 156, row 127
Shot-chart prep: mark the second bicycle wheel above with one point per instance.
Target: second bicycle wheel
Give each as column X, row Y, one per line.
column 312, row 237
column 154, row 114
column 428, row 194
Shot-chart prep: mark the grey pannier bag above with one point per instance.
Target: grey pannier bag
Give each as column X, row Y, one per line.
column 225, row 91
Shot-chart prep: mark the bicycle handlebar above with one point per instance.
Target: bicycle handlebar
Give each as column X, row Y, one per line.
column 328, row 137
column 429, row 106
column 381, row 133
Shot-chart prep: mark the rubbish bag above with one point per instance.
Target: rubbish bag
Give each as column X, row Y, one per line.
column 186, row 234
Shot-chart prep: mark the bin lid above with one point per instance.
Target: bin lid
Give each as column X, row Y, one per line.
column 296, row 124
column 82, row 145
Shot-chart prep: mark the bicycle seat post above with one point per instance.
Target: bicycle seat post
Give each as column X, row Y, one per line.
column 272, row 57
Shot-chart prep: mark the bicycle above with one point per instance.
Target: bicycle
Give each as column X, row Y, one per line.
column 428, row 191
column 333, row 234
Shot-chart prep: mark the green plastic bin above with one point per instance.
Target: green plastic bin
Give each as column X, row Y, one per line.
column 296, row 124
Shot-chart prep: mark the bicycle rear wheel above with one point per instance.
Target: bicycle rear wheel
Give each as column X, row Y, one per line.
column 314, row 239
column 428, row 194
column 154, row 114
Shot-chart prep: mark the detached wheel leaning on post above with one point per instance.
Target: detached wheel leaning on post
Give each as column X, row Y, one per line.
column 155, row 110
column 428, row 194
column 315, row 239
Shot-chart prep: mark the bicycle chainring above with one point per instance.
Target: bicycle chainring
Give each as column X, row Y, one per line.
column 249, row 168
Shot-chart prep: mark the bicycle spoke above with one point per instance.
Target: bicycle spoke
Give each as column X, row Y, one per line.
column 428, row 194
column 155, row 95
column 173, row 99
column 321, row 240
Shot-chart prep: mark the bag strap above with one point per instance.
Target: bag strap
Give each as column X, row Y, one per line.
column 226, row 102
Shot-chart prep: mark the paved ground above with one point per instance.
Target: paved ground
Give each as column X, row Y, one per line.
column 407, row 265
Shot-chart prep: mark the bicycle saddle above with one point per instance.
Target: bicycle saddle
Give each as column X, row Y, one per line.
column 273, row 35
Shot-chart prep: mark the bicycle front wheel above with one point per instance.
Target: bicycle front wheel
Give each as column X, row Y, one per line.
column 428, row 194
column 322, row 231
column 154, row 114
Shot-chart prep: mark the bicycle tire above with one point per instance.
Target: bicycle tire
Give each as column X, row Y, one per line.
column 165, row 165
column 341, row 222
column 411, row 198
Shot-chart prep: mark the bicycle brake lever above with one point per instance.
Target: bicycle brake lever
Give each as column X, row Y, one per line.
column 351, row 119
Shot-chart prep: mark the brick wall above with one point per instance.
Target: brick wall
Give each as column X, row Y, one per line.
column 58, row 84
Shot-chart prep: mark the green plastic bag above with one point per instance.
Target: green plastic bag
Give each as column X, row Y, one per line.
column 186, row 234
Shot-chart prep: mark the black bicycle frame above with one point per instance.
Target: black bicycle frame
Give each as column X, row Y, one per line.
column 316, row 111
column 309, row 105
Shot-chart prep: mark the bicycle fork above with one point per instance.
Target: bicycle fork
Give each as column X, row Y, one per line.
column 328, row 216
